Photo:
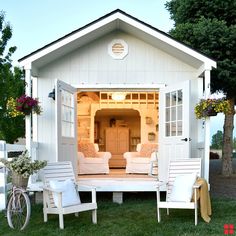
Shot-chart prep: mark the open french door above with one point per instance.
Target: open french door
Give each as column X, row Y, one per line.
column 66, row 131
column 174, row 140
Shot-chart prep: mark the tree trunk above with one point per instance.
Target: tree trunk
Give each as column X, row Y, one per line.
column 227, row 152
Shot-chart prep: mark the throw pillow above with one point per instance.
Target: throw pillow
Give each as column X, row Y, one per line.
column 70, row 196
column 147, row 149
column 88, row 149
column 182, row 189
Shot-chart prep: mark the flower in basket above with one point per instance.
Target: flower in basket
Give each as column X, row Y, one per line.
column 210, row 107
column 23, row 165
column 23, row 105
column 11, row 108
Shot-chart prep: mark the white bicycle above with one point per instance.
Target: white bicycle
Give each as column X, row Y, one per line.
column 18, row 208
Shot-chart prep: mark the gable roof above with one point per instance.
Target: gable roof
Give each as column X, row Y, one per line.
column 117, row 20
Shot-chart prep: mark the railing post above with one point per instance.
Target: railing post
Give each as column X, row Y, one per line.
column 28, row 123
column 3, row 177
column 206, row 163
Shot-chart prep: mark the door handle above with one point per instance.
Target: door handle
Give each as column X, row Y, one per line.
column 186, row 139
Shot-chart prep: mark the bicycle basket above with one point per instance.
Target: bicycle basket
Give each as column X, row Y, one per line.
column 19, row 180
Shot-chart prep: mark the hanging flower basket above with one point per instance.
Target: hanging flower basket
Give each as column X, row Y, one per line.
column 212, row 113
column 210, row 107
column 23, row 105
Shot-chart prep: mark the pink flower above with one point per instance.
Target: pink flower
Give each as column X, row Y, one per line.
column 27, row 105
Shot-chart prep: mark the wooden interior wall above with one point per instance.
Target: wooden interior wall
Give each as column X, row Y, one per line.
column 140, row 125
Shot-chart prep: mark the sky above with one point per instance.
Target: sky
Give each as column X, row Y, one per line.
column 39, row 22
column 36, row 23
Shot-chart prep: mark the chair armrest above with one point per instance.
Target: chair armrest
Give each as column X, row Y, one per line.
column 128, row 155
column 51, row 190
column 88, row 188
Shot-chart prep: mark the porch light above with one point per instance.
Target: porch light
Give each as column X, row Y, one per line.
column 52, row 94
column 118, row 96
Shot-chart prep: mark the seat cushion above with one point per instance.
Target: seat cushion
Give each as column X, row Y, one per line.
column 147, row 149
column 141, row 160
column 88, row 149
column 69, row 194
column 92, row 160
column 182, row 189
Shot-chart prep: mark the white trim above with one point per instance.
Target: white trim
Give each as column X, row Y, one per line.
column 120, row 86
column 168, row 40
column 35, row 116
column 205, row 67
column 206, row 162
column 67, row 40
column 28, row 66
column 118, row 16
column 28, row 118
column 57, row 119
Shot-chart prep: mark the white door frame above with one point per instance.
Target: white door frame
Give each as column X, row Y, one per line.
column 66, row 122
column 174, row 140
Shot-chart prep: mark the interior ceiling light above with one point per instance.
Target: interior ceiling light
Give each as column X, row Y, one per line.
column 118, row 96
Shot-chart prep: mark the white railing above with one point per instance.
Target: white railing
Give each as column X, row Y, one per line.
column 4, row 184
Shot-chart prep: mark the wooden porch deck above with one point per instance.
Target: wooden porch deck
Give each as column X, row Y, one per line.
column 117, row 182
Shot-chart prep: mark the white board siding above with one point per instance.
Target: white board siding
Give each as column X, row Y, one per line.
column 46, row 121
column 92, row 64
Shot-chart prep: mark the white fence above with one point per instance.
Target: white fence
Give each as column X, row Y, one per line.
column 4, row 185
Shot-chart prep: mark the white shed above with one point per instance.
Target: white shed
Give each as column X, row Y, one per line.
column 161, row 79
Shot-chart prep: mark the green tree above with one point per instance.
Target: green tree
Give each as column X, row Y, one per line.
column 210, row 27
column 11, row 85
column 217, row 140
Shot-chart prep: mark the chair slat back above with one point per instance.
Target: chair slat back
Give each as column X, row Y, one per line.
column 182, row 167
column 57, row 171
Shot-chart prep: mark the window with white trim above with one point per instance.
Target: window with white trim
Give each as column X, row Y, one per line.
column 173, row 113
column 67, row 114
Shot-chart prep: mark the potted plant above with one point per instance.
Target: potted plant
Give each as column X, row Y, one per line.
column 24, row 105
column 22, row 167
column 210, row 107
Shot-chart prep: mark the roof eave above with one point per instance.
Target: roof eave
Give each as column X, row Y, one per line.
column 105, row 20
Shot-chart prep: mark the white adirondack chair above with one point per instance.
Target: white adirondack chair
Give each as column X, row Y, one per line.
column 180, row 169
column 63, row 171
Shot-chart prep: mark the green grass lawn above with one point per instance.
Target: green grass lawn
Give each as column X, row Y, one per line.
column 136, row 216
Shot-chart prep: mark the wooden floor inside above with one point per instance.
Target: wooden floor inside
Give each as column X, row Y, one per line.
column 115, row 173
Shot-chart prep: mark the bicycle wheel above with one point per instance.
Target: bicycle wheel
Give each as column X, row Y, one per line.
column 18, row 210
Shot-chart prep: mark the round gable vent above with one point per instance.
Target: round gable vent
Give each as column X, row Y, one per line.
column 118, row 49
